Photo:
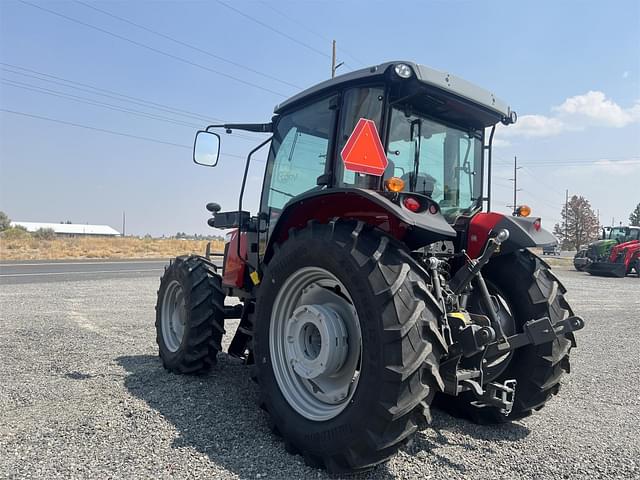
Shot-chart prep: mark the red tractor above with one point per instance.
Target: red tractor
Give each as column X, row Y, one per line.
column 623, row 259
column 370, row 280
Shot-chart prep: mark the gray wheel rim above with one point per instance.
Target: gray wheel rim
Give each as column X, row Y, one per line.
column 173, row 316
column 315, row 343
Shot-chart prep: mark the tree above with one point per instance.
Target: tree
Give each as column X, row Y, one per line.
column 579, row 224
column 5, row 221
column 634, row 218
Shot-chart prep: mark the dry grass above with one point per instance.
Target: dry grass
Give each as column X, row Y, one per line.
column 29, row 248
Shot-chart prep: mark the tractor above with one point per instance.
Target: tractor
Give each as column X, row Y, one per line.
column 374, row 279
column 623, row 260
column 600, row 250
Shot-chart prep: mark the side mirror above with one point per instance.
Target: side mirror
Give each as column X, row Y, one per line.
column 206, row 148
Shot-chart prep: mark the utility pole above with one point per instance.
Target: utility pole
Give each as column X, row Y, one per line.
column 515, row 183
column 123, row 223
column 334, row 67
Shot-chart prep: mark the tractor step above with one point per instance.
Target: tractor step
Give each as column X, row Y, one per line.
column 239, row 347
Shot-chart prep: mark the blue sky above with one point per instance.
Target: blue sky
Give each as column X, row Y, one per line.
column 570, row 69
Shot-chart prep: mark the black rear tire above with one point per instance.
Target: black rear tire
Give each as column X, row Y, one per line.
column 203, row 315
column 532, row 291
column 401, row 346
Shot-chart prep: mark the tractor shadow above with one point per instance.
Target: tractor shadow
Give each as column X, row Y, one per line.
column 217, row 414
column 446, row 440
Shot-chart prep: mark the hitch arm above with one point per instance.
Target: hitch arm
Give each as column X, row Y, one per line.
column 536, row 332
column 465, row 275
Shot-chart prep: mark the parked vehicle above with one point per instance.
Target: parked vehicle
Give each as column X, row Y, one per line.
column 623, row 260
column 551, row 249
column 600, row 250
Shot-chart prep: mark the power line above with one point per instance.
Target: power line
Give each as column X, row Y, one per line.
column 571, row 161
column 111, row 132
column 153, row 49
column 273, row 29
column 117, row 96
column 88, row 101
column 538, row 180
column 188, row 45
column 539, row 199
column 581, row 164
column 109, row 93
column 319, row 35
column 97, row 129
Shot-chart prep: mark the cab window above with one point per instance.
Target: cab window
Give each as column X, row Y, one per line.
column 364, row 102
column 299, row 152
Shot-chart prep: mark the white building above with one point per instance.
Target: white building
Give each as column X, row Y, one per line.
column 70, row 229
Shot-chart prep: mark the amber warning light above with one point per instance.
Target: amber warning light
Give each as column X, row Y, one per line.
column 394, row 184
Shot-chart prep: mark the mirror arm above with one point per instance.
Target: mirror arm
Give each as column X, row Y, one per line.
column 249, row 127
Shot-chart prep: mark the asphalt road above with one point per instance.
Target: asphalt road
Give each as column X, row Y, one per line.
column 64, row 271
column 77, row 270
column 83, row 395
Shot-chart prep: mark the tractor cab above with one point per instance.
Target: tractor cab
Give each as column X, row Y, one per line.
column 398, row 145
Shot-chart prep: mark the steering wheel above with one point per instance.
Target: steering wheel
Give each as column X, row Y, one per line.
column 425, row 183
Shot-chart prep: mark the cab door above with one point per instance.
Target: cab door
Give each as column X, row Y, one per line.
column 301, row 151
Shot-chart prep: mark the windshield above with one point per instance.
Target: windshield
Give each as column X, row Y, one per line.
column 618, row 233
column 436, row 160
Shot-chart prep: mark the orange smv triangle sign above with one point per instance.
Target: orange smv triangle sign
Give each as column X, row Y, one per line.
column 363, row 152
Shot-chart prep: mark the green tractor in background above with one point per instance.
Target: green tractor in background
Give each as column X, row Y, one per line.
column 600, row 249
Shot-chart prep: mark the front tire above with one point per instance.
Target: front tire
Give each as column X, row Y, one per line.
column 532, row 291
column 189, row 315
column 397, row 347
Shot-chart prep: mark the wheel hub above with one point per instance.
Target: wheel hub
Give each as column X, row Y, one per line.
column 317, row 341
column 173, row 316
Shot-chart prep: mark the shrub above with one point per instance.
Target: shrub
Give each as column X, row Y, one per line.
column 15, row 233
column 45, row 234
column 5, row 221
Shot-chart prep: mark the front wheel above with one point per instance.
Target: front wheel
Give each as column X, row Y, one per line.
column 345, row 345
column 189, row 315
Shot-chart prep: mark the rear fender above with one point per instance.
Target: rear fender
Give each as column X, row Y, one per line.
column 523, row 232
column 382, row 210
column 233, row 274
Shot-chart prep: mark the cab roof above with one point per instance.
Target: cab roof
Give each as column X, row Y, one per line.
column 441, row 83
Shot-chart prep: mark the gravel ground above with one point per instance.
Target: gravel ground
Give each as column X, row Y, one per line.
column 83, row 395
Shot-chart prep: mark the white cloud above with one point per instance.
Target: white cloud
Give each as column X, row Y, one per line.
column 618, row 167
column 593, row 109
column 625, row 74
column 597, row 109
column 500, row 143
column 534, row 126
